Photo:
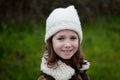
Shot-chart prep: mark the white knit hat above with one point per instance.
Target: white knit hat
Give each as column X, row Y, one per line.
column 63, row 18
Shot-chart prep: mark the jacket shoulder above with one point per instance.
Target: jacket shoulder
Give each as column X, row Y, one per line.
column 42, row 77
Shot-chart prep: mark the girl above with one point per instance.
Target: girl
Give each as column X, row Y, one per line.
column 63, row 57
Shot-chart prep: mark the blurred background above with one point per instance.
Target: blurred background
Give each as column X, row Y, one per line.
column 22, row 30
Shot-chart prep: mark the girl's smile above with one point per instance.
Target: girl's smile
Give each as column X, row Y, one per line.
column 67, row 52
column 65, row 43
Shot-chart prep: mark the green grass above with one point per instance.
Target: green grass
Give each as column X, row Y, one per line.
column 101, row 48
column 21, row 51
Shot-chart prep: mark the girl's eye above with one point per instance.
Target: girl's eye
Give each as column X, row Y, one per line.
column 73, row 38
column 60, row 38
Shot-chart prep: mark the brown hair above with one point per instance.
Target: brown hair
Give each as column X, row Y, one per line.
column 52, row 57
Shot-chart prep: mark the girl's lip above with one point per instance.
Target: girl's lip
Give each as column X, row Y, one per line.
column 66, row 50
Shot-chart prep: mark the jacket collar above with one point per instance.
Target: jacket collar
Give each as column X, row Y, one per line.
column 62, row 72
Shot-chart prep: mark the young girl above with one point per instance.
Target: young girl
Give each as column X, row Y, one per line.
column 63, row 58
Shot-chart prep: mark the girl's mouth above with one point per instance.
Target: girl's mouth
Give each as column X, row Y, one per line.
column 67, row 51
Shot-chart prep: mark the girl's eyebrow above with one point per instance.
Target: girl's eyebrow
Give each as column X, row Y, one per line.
column 60, row 35
column 74, row 35
column 64, row 35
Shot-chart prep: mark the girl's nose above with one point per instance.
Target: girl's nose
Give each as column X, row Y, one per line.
column 67, row 45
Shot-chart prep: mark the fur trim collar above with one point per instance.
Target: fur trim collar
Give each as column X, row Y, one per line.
column 62, row 72
column 85, row 66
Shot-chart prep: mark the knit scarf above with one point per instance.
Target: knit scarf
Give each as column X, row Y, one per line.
column 62, row 72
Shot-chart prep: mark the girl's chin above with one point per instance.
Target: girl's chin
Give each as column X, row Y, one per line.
column 66, row 57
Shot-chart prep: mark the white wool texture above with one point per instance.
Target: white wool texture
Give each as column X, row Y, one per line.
column 61, row 19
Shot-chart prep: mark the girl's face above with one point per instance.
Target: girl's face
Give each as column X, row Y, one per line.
column 65, row 43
